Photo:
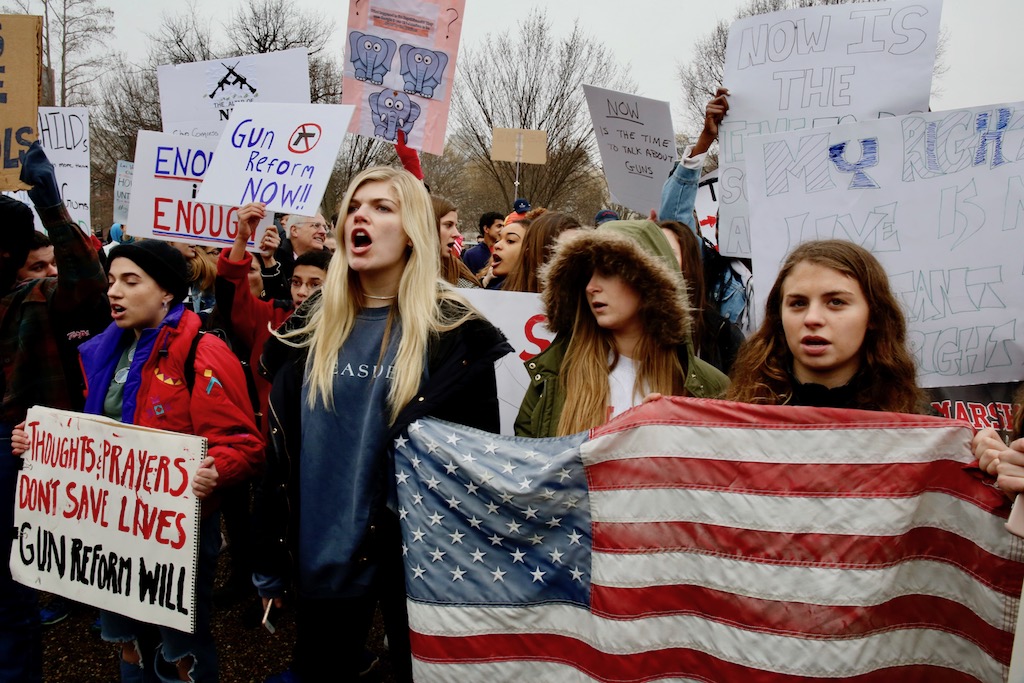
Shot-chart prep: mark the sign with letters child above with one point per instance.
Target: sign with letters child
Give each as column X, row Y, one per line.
column 105, row 515
column 279, row 154
column 938, row 197
column 167, row 174
column 815, row 67
column 20, row 69
column 400, row 66
column 637, row 144
column 197, row 98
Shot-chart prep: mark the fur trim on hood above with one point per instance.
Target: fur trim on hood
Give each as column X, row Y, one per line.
column 638, row 252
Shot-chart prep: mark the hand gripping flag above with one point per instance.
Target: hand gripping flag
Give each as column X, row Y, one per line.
column 707, row 541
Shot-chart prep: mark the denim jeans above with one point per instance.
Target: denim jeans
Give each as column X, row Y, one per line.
column 160, row 646
column 21, row 648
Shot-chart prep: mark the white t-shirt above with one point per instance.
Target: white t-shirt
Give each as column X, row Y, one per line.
column 620, row 388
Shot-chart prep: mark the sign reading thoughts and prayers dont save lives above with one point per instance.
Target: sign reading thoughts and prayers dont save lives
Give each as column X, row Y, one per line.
column 400, row 66
column 20, row 66
column 279, row 154
column 167, row 174
column 938, row 197
column 637, row 144
column 815, row 67
column 196, row 99
column 104, row 514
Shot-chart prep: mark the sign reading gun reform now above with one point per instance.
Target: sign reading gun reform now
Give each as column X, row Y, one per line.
column 105, row 515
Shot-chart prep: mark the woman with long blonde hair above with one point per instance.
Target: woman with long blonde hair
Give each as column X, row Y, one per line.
column 383, row 343
column 618, row 305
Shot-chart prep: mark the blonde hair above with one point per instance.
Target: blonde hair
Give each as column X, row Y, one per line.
column 420, row 304
column 585, row 369
column 202, row 269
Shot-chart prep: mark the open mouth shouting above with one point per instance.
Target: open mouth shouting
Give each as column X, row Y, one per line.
column 117, row 311
column 361, row 241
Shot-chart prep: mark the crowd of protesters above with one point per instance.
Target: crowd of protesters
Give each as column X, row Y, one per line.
column 299, row 458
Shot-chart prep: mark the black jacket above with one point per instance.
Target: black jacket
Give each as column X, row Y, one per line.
column 460, row 388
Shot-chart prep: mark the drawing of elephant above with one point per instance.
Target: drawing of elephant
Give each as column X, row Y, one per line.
column 371, row 56
column 422, row 69
column 392, row 111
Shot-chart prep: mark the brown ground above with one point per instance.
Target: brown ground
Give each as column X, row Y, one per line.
column 74, row 653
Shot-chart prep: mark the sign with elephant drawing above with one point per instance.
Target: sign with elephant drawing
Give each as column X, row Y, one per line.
column 399, row 68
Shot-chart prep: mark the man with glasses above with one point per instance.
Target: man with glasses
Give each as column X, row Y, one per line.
column 305, row 234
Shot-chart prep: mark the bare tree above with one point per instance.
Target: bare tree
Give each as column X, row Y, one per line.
column 270, row 25
column 528, row 78
column 76, row 30
column 182, row 38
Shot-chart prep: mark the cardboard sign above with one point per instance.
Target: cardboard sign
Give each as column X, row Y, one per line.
column 21, row 52
column 815, row 67
column 519, row 145
column 706, row 206
column 196, row 99
column 279, row 154
column 105, row 515
column 938, row 198
column 637, row 145
column 122, row 191
column 399, row 68
column 520, row 317
column 169, row 170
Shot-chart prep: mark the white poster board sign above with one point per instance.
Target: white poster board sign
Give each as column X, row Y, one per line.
column 814, row 67
column 105, row 515
column 64, row 136
column 122, row 191
column 196, row 99
column 637, row 145
column 279, row 154
column 706, row 206
column 399, row 68
column 168, row 172
column 939, row 198
column 520, row 317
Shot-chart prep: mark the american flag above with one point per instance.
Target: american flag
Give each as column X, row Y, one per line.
column 709, row 541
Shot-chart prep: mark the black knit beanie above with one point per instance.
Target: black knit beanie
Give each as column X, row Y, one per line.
column 160, row 261
column 16, row 230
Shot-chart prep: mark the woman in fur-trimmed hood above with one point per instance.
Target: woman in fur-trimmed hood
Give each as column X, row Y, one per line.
column 617, row 303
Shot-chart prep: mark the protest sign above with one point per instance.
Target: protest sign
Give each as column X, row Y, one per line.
column 122, row 191
column 519, row 146
column 163, row 203
column 520, row 317
column 399, row 68
column 637, row 145
column 64, row 135
column 706, row 206
column 20, row 67
column 196, row 99
column 279, row 154
column 938, row 198
column 814, row 67
column 105, row 515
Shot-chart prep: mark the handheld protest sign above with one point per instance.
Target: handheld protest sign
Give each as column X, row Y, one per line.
column 197, row 98
column 122, row 191
column 167, row 174
column 815, row 67
column 279, row 154
column 637, row 145
column 21, row 50
column 519, row 145
column 399, row 68
column 105, row 515
column 937, row 198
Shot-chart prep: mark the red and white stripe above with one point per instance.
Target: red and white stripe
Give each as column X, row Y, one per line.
column 764, row 543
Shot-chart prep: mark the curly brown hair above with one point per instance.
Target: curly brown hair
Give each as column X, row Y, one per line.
column 762, row 371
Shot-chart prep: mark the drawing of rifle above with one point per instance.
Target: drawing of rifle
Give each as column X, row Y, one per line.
column 232, row 77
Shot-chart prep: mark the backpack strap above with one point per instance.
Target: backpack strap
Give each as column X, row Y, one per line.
column 250, row 382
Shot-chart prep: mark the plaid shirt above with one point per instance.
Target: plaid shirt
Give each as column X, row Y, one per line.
column 42, row 322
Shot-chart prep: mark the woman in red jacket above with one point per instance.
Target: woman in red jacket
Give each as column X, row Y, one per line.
column 136, row 373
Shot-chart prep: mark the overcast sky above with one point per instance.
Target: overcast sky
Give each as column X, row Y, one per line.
column 985, row 48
